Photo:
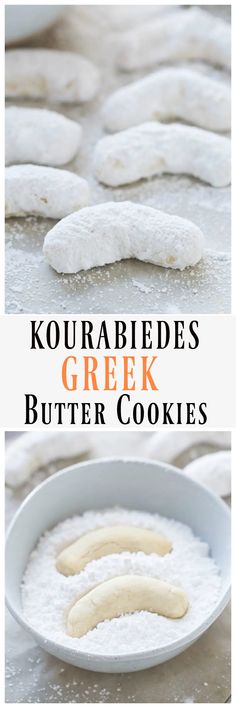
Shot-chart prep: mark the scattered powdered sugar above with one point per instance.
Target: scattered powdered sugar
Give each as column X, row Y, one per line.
column 48, row 595
column 142, row 287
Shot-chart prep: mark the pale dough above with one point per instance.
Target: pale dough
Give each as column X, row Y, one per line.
column 123, row 595
column 105, row 541
column 184, row 34
column 50, row 74
column 35, row 135
column 113, row 231
column 154, row 148
column 43, row 191
column 168, row 94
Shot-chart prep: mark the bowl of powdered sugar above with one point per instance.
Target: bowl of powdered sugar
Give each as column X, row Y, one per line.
column 118, row 565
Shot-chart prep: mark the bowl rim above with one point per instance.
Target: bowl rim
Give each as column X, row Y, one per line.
column 150, row 654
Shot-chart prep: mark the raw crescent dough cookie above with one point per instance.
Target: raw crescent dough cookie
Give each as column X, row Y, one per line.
column 35, row 135
column 185, row 34
column 105, row 541
column 154, row 148
column 123, row 595
column 43, row 191
column 169, row 94
column 110, row 232
column 50, row 74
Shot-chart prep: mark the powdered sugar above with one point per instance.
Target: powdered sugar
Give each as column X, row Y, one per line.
column 47, row 595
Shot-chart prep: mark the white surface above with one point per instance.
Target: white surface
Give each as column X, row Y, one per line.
column 106, row 483
column 112, row 232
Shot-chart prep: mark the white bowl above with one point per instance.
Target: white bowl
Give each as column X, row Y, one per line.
column 22, row 21
column 134, row 484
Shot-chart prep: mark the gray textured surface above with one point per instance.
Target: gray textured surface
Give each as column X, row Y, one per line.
column 128, row 286
column 199, row 675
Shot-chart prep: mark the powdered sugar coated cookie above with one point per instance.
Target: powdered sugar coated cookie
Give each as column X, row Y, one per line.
column 39, row 136
column 50, row 74
column 182, row 35
column 169, row 94
column 153, row 149
column 110, row 232
column 43, row 191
